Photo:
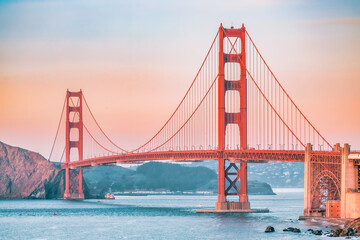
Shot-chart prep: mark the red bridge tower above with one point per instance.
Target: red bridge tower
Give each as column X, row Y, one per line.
column 74, row 123
column 225, row 118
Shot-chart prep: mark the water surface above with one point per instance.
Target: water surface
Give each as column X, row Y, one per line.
column 152, row 217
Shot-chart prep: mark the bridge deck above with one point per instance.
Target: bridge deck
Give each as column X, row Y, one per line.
column 196, row 155
column 192, row 156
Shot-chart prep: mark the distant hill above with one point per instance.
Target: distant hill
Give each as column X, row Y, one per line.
column 157, row 175
column 275, row 173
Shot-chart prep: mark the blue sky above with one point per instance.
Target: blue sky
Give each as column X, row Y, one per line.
column 110, row 48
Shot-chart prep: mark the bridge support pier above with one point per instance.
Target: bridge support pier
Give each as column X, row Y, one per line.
column 79, row 194
column 74, row 192
column 244, row 200
column 235, row 179
column 80, row 186
column 307, row 180
column 67, row 184
column 221, row 199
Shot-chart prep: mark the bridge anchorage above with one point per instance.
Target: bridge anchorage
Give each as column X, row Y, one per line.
column 235, row 112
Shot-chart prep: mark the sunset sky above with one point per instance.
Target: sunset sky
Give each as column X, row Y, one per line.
column 134, row 61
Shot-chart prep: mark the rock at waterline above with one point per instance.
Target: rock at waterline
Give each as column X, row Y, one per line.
column 317, row 232
column 269, row 229
column 291, row 229
column 354, row 225
column 349, row 232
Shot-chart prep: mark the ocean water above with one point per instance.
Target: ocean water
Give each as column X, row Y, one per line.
column 153, row 217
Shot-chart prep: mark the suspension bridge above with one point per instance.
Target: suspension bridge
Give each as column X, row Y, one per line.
column 236, row 112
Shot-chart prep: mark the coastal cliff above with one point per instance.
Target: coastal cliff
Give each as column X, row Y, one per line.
column 25, row 174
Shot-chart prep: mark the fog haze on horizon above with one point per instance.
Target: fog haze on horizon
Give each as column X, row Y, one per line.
column 135, row 60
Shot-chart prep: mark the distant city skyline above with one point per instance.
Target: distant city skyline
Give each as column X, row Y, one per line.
column 133, row 59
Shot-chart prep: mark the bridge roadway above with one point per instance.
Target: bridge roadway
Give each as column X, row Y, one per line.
column 196, row 155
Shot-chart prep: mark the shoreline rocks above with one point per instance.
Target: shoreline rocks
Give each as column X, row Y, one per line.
column 269, row 229
column 346, row 232
column 292, row 229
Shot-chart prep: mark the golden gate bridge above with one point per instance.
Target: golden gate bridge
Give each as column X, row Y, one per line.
column 236, row 112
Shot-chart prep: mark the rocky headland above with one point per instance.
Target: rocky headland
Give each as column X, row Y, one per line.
column 25, row 175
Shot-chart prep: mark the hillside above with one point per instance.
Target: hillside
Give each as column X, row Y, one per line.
column 277, row 174
column 156, row 175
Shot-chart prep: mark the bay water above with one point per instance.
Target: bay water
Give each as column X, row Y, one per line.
column 154, row 217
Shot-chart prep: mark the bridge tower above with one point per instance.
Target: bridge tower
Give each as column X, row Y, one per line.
column 225, row 118
column 74, row 124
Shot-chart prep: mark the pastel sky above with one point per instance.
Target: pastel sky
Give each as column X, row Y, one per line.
column 134, row 61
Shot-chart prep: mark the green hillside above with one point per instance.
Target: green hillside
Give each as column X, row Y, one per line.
column 155, row 175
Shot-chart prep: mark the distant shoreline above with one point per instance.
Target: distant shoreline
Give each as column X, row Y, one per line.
column 208, row 193
column 166, row 193
column 281, row 190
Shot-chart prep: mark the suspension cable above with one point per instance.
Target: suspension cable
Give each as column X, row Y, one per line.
column 197, row 107
column 285, row 91
column 97, row 141
column 100, row 127
column 57, row 131
column 91, row 134
column 187, row 92
column 264, row 94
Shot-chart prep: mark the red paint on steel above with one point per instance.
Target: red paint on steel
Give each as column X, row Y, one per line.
column 77, row 144
column 67, row 146
column 221, row 121
column 193, row 155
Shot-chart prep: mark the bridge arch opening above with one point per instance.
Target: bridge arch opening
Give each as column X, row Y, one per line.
column 74, row 117
column 232, row 71
column 326, row 187
column 74, row 134
column 232, row 101
column 74, row 154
